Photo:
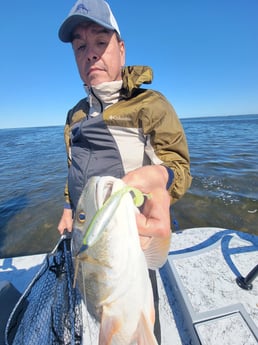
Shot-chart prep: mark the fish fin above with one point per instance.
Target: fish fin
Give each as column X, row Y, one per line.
column 109, row 326
column 145, row 333
column 156, row 252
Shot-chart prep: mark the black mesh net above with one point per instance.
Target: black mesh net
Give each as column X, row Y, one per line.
column 49, row 311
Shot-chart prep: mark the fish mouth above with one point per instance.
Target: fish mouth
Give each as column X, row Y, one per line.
column 77, row 242
column 98, row 190
column 103, row 190
column 83, row 248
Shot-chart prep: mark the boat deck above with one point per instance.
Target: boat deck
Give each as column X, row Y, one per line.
column 200, row 301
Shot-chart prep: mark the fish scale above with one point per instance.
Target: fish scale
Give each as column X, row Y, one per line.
column 113, row 273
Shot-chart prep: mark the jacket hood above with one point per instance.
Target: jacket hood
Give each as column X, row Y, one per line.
column 133, row 77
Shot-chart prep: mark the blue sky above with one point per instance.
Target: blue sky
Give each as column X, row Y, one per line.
column 204, row 54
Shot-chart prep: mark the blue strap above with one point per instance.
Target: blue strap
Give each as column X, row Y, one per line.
column 170, row 176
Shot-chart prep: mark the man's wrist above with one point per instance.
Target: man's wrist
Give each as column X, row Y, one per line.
column 67, row 206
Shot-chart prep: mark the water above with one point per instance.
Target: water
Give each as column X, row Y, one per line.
column 224, row 166
column 224, row 192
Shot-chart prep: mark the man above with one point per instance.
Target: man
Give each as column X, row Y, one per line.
column 121, row 129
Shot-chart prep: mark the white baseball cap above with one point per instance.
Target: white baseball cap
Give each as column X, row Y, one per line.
column 97, row 11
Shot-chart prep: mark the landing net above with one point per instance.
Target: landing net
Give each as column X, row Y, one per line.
column 49, row 311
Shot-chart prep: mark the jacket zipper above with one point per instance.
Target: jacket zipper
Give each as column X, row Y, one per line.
column 100, row 103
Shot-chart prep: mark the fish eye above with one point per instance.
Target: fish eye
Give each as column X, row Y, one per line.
column 81, row 217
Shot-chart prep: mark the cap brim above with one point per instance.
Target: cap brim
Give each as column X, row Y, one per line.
column 65, row 32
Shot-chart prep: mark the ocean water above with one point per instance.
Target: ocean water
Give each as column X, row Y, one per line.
column 224, row 191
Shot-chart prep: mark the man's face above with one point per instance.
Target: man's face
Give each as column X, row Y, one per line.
column 99, row 55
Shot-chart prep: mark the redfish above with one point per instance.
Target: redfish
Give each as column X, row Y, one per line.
column 113, row 271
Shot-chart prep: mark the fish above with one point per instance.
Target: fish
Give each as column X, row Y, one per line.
column 113, row 268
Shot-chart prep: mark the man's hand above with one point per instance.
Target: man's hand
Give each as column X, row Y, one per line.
column 66, row 221
column 154, row 221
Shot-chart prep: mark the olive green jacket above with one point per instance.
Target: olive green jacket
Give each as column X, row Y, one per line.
column 141, row 128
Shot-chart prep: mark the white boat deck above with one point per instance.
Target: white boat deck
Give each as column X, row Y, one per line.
column 200, row 302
